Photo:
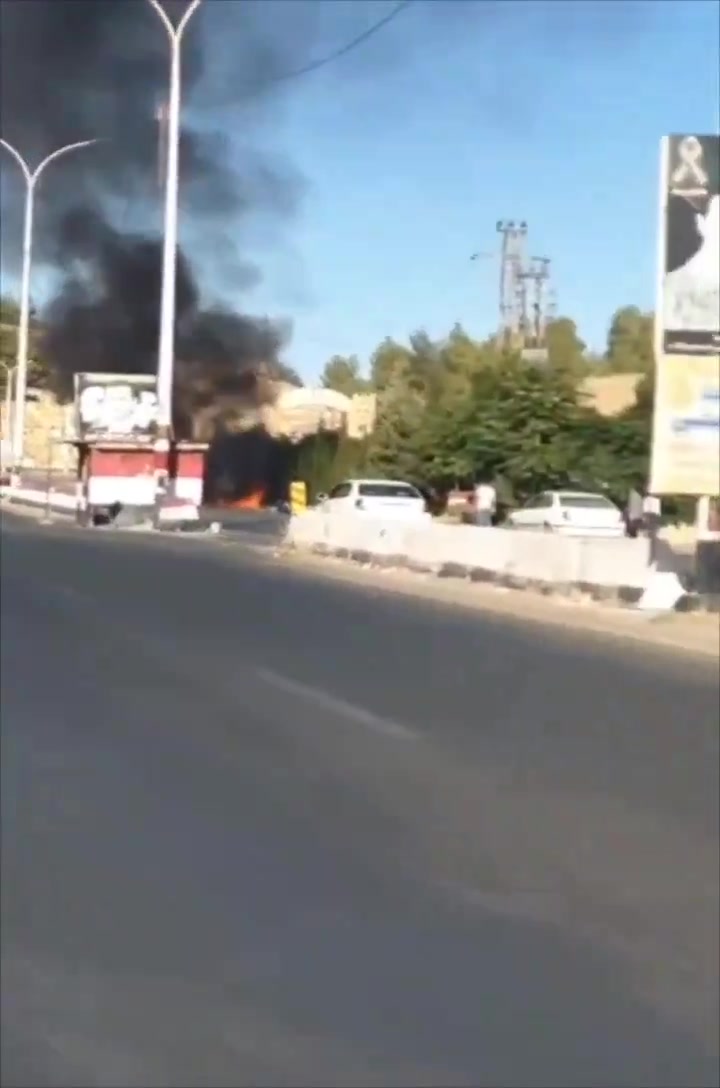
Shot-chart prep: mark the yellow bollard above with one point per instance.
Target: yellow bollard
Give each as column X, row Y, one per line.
column 298, row 496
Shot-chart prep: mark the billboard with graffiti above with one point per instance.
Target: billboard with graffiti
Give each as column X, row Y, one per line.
column 115, row 407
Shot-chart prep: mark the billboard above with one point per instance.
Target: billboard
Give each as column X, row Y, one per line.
column 686, row 426
column 116, row 407
column 690, row 245
column 685, row 457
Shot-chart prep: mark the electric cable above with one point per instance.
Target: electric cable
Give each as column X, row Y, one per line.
column 315, row 65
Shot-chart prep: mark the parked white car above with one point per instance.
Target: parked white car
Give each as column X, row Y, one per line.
column 375, row 498
column 572, row 513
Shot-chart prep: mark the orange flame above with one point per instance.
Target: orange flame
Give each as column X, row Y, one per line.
column 254, row 501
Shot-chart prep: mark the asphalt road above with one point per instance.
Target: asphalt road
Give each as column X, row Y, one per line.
column 259, row 828
column 263, row 526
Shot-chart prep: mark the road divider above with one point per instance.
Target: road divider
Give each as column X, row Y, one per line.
column 604, row 569
column 612, row 570
column 57, row 501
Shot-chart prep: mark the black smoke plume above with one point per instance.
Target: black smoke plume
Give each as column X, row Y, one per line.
column 97, row 69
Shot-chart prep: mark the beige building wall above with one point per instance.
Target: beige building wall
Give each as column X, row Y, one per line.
column 611, row 394
column 46, row 422
column 299, row 413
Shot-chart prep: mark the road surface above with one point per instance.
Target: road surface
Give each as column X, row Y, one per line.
column 259, row 828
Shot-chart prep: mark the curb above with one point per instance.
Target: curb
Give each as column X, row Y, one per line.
column 623, row 596
column 699, row 602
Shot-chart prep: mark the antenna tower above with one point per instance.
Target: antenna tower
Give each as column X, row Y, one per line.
column 513, row 307
column 527, row 302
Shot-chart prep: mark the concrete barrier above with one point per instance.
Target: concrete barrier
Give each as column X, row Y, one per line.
column 707, row 569
column 603, row 569
column 57, row 501
column 28, row 496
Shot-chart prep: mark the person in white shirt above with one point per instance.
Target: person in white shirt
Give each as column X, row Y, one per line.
column 485, row 503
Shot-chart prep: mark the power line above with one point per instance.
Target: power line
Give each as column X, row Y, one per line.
column 314, row 65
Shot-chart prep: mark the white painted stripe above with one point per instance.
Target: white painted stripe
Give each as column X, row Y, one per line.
column 356, row 714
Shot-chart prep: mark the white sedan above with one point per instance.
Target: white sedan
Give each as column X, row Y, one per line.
column 375, row 498
column 572, row 513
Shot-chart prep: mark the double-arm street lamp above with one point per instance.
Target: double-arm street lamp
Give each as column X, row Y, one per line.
column 31, row 179
column 166, row 344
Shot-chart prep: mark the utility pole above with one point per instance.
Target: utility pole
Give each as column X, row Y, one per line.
column 525, row 302
column 513, row 296
column 534, row 347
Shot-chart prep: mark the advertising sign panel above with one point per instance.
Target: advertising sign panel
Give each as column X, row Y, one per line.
column 686, row 427
column 116, row 407
column 690, row 245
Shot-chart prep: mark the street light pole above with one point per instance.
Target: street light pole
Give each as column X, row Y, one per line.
column 166, row 343
column 31, row 179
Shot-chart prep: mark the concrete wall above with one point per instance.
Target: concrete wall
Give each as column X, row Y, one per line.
column 600, row 566
column 707, row 566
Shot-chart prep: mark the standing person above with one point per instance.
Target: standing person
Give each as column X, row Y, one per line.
column 652, row 519
column 634, row 513
column 485, row 503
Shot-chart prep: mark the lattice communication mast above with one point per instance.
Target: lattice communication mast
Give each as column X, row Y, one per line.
column 512, row 264
column 526, row 300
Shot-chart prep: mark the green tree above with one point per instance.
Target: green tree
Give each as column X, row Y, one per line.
column 460, row 358
column 609, row 453
column 9, row 311
column 389, row 364
column 8, row 336
column 566, row 351
column 630, row 342
column 325, row 459
column 516, row 425
column 393, row 447
column 9, row 320
column 342, row 373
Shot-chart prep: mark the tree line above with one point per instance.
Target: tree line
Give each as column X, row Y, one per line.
column 454, row 411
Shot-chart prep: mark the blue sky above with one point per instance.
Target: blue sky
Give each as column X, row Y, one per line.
column 548, row 112
column 457, row 114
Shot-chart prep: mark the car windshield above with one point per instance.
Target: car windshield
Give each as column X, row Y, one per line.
column 388, row 491
column 586, row 502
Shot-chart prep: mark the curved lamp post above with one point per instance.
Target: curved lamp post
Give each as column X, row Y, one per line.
column 31, row 179
column 166, row 344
